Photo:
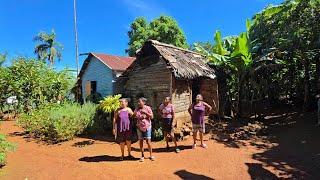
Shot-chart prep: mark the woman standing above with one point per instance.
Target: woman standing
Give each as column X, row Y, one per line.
column 122, row 127
column 166, row 110
column 143, row 114
column 197, row 112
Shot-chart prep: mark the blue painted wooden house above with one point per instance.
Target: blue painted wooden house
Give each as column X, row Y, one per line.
column 98, row 74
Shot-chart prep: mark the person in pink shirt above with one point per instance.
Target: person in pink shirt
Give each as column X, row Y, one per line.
column 166, row 110
column 143, row 114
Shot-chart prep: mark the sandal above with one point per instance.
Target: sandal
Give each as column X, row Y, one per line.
column 194, row 146
column 204, row 146
column 177, row 150
column 152, row 158
column 141, row 159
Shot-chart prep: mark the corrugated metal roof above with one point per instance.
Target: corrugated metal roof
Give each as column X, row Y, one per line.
column 117, row 63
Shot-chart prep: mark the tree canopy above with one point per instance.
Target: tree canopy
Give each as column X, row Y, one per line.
column 164, row 29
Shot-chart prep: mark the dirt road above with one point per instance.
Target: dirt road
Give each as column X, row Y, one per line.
column 84, row 158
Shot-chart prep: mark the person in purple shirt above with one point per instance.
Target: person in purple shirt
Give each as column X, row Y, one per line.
column 197, row 112
column 166, row 110
column 122, row 127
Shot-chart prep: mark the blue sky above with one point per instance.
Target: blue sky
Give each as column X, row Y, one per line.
column 103, row 24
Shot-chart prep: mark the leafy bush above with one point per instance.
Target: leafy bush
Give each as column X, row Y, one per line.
column 56, row 122
column 110, row 103
column 5, row 146
column 94, row 98
column 157, row 134
column 33, row 83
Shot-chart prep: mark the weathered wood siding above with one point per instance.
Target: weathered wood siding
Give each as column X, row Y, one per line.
column 97, row 71
column 181, row 95
column 152, row 81
column 209, row 91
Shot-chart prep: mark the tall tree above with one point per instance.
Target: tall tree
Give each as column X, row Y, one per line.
column 47, row 48
column 164, row 29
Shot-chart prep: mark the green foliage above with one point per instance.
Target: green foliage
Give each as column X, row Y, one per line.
column 94, row 98
column 3, row 58
column 58, row 122
column 33, row 83
column 157, row 134
column 110, row 103
column 164, row 29
column 47, row 48
column 5, row 147
column 290, row 31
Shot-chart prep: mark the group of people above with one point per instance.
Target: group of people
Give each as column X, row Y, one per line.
column 124, row 116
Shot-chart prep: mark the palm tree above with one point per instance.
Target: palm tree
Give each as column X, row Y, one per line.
column 47, row 48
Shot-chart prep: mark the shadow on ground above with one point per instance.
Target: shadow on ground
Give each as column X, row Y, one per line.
column 106, row 158
column 162, row 150
column 183, row 174
column 290, row 145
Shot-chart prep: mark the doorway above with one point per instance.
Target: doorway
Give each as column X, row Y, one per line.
column 195, row 89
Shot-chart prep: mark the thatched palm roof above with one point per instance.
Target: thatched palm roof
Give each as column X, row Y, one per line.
column 185, row 64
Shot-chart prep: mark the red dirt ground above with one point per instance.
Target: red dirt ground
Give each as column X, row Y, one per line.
column 84, row 158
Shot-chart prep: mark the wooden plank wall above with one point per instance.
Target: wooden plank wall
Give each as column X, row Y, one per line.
column 152, row 81
column 181, row 95
column 209, row 91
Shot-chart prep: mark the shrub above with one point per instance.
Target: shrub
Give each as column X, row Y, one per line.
column 33, row 83
column 5, row 146
column 58, row 122
column 94, row 98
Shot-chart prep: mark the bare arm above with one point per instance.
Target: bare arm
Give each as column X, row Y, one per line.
column 173, row 116
column 114, row 121
column 190, row 109
column 207, row 106
column 160, row 110
column 130, row 112
column 149, row 113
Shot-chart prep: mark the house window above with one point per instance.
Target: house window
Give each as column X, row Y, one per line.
column 91, row 87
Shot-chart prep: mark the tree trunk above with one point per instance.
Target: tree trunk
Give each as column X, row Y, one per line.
column 239, row 109
column 306, row 99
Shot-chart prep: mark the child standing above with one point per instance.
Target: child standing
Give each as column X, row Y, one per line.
column 197, row 112
column 122, row 127
column 166, row 110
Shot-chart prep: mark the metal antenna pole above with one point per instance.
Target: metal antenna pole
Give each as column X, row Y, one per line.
column 76, row 34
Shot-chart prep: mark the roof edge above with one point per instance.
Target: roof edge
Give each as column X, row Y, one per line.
column 155, row 42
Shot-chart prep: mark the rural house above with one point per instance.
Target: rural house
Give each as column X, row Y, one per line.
column 98, row 74
column 162, row 70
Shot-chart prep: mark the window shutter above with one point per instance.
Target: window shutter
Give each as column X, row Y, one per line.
column 88, row 88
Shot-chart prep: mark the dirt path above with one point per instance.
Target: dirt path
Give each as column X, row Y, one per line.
column 98, row 160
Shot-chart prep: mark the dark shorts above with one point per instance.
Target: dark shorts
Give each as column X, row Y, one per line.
column 124, row 136
column 167, row 124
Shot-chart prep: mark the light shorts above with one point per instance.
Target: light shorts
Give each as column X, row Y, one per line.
column 198, row 127
column 144, row 135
